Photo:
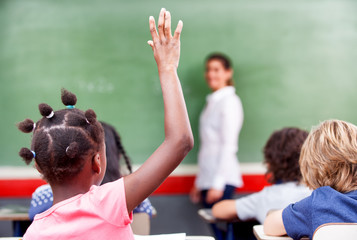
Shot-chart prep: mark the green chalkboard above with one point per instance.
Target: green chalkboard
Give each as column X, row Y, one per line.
column 294, row 61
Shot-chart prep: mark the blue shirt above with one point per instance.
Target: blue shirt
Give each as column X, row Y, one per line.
column 42, row 200
column 325, row 205
column 144, row 207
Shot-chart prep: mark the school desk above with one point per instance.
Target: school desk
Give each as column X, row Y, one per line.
column 207, row 216
column 150, row 237
column 259, row 234
column 14, row 213
column 10, row 238
column 199, row 238
column 18, row 215
column 172, row 236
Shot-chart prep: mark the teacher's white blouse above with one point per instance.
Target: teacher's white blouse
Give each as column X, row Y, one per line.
column 220, row 123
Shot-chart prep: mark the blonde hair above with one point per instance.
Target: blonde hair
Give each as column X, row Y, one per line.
column 329, row 156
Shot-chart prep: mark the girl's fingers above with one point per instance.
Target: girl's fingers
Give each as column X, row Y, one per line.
column 163, row 30
column 167, row 28
column 178, row 30
column 151, row 43
column 153, row 29
column 161, row 24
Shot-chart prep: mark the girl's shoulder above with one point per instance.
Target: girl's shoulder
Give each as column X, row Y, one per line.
column 113, row 187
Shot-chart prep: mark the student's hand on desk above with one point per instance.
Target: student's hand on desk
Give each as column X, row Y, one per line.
column 165, row 46
column 213, row 195
column 273, row 223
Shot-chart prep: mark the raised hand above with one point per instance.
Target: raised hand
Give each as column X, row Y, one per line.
column 165, row 46
column 178, row 135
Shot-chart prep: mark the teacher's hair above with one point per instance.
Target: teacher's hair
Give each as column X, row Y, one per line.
column 225, row 61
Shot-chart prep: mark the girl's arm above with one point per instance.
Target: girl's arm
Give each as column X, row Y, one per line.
column 178, row 135
column 273, row 223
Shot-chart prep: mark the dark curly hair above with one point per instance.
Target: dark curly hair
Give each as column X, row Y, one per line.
column 282, row 153
column 62, row 140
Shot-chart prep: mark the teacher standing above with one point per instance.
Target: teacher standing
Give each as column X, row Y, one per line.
column 220, row 123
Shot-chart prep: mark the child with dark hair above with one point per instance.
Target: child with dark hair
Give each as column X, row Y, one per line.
column 114, row 150
column 281, row 156
column 69, row 151
column 42, row 198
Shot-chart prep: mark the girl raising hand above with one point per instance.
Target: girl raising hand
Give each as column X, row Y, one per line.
column 69, row 151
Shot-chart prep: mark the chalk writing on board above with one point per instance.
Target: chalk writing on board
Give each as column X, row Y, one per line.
column 100, row 85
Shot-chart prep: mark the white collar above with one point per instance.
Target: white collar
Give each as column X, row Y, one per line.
column 220, row 93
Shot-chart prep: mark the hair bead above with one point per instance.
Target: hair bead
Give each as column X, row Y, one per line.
column 72, row 150
column 70, row 106
column 90, row 115
column 50, row 115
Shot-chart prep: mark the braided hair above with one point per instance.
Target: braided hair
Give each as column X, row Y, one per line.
column 62, row 140
column 114, row 150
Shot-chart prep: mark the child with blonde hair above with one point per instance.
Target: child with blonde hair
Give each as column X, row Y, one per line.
column 328, row 163
column 69, row 151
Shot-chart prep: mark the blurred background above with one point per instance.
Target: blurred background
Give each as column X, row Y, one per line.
column 294, row 63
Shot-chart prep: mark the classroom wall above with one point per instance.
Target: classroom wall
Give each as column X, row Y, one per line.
column 294, row 63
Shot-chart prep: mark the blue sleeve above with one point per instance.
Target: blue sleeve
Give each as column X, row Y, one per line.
column 42, row 199
column 144, row 207
column 297, row 219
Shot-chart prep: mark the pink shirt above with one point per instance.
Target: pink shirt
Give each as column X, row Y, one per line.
column 101, row 213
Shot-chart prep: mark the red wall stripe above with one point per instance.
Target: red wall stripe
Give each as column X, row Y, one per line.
column 183, row 184
column 23, row 188
column 19, row 188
